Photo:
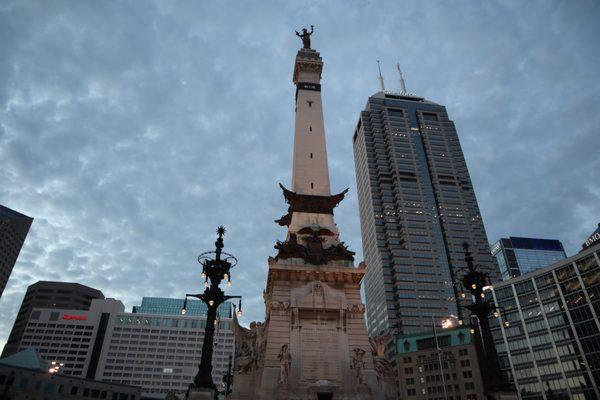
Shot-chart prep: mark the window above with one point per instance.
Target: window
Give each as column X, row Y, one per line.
column 74, row 390
column 35, row 315
column 430, row 116
column 54, row 316
column 312, row 185
column 311, row 155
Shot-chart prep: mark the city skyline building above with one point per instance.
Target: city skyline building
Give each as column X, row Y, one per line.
column 417, row 208
column 161, row 351
column 25, row 375
column 169, row 306
column 14, row 227
column 551, row 346
column 158, row 351
column 48, row 294
column 73, row 337
column 519, row 255
column 440, row 364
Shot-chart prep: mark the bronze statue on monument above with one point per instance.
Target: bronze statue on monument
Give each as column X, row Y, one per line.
column 305, row 36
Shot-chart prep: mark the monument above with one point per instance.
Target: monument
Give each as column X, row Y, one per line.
column 313, row 343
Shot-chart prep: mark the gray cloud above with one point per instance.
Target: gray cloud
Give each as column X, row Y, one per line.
column 130, row 131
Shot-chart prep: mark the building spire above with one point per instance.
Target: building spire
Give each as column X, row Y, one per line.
column 402, row 84
column 380, row 77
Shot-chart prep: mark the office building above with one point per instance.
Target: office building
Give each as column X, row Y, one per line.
column 69, row 336
column 13, row 231
column 518, row 255
column 551, row 348
column 420, row 363
column 417, row 208
column 166, row 306
column 161, row 352
column 25, row 375
column 44, row 294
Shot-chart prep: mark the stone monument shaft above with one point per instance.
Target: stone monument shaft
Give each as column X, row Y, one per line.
column 313, row 343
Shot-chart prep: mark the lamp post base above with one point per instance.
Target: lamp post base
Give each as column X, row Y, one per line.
column 201, row 394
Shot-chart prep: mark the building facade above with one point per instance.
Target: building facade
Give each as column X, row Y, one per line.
column 518, row 255
column 158, row 352
column 551, row 348
column 452, row 373
column 45, row 294
column 70, row 336
column 161, row 351
column 14, row 227
column 167, row 306
column 34, row 382
column 417, row 207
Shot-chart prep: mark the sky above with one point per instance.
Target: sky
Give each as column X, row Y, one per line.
column 130, row 130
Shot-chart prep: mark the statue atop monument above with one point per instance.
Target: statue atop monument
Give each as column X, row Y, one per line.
column 305, row 36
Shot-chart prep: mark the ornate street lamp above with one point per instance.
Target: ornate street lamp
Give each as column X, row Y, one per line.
column 476, row 283
column 216, row 266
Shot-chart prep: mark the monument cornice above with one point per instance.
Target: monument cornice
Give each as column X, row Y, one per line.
column 307, row 272
column 307, row 60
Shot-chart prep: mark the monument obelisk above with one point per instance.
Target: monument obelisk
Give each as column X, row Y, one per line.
column 313, row 343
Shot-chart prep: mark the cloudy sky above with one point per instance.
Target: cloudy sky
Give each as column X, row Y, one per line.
column 131, row 130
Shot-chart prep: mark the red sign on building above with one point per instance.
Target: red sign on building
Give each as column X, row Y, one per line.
column 75, row 317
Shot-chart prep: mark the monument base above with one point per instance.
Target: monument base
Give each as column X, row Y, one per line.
column 200, row 394
column 502, row 395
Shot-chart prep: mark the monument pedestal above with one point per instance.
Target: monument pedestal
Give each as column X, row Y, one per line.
column 200, row 394
column 502, row 395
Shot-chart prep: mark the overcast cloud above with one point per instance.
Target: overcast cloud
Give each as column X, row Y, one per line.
column 131, row 130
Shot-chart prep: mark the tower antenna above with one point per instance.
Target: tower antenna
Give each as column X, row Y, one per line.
column 380, row 76
column 402, row 84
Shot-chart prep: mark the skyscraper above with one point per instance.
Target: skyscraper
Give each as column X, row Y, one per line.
column 45, row 294
column 518, row 255
column 417, row 208
column 13, row 230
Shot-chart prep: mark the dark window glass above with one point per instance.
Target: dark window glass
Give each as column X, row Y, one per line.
column 430, row 116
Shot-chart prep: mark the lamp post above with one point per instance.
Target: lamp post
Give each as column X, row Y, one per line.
column 216, row 267
column 439, row 353
column 227, row 380
column 476, row 283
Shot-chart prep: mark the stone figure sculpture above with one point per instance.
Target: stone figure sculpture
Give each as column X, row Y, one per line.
column 285, row 361
column 380, row 362
column 250, row 346
column 171, row 396
column 358, row 365
column 305, row 36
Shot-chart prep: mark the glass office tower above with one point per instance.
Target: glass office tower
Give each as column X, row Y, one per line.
column 417, row 208
column 518, row 255
column 551, row 348
column 168, row 306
